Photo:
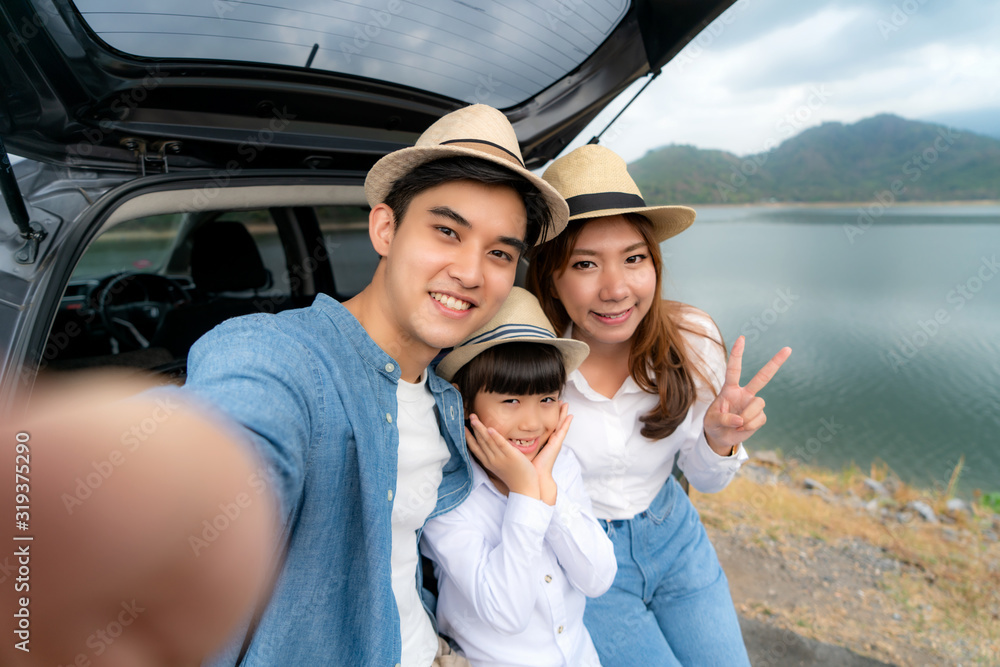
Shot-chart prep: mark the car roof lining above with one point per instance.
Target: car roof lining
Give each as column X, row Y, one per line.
column 233, row 198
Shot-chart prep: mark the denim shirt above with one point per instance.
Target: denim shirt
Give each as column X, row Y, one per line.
column 316, row 397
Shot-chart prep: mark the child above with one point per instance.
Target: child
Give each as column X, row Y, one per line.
column 516, row 561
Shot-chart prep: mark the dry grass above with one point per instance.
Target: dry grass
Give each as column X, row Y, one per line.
column 948, row 587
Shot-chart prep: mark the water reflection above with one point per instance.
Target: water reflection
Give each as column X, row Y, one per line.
column 896, row 335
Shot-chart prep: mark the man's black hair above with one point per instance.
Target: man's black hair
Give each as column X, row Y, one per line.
column 446, row 170
column 512, row 368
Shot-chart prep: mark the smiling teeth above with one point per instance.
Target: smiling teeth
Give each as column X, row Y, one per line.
column 523, row 443
column 614, row 317
column 450, row 301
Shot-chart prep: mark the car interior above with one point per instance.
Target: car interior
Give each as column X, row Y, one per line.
column 152, row 281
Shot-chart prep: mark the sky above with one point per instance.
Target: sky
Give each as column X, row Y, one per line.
column 768, row 69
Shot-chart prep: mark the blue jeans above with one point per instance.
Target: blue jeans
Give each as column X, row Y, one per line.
column 670, row 602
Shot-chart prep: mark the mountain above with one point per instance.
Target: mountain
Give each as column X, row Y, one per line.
column 914, row 161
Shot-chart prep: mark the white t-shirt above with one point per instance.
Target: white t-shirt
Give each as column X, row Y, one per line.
column 624, row 470
column 422, row 456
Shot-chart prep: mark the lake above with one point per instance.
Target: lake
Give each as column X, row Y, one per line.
column 894, row 322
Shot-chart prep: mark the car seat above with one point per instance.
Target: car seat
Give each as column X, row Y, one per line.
column 228, row 274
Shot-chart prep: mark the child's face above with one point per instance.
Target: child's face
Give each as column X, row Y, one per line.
column 526, row 420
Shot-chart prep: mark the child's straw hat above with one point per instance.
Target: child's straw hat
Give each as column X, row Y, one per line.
column 520, row 320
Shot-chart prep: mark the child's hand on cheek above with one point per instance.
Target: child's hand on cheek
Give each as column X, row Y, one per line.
column 501, row 459
column 546, row 458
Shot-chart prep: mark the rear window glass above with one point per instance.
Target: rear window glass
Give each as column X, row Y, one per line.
column 499, row 53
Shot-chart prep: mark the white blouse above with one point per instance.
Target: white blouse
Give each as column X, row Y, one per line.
column 623, row 471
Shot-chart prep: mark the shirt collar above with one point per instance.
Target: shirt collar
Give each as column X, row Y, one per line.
column 480, row 478
column 580, row 383
column 348, row 326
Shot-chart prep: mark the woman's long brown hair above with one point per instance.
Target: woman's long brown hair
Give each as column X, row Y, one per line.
column 657, row 344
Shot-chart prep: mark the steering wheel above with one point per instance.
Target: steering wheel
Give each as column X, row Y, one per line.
column 134, row 305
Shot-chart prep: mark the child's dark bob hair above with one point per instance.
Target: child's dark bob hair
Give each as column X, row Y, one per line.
column 512, row 368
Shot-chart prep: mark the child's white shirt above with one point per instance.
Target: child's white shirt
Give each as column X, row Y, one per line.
column 514, row 573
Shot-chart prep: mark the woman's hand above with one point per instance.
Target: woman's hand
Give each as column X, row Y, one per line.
column 737, row 412
column 546, row 457
column 502, row 459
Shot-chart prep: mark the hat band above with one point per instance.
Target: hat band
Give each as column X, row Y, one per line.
column 510, row 331
column 602, row 201
column 487, row 147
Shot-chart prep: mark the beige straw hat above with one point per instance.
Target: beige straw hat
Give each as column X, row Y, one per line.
column 475, row 131
column 520, row 320
column 595, row 182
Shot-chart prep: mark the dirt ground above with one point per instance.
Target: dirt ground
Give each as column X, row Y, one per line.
column 824, row 591
column 829, row 593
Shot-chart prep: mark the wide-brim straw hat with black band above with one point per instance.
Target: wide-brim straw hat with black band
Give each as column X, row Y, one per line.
column 520, row 320
column 596, row 183
column 475, row 131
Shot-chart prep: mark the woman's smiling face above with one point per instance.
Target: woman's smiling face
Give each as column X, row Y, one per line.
column 609, row 284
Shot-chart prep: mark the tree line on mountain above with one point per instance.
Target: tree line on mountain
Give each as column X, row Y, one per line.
column 833, row 162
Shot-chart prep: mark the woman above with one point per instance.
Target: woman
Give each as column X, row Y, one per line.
column 655, row 387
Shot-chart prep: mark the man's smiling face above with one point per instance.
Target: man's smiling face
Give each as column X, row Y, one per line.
column 449, row 264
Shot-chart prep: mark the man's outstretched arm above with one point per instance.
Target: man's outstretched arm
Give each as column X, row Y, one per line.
column 150, row 533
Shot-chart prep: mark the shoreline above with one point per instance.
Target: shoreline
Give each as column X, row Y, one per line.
column 898, row 574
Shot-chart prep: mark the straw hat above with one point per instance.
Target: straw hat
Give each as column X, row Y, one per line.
column 520, row 320
column 475, row 131
column 595, row 182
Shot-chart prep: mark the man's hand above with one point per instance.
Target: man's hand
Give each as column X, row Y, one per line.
column 144, row 551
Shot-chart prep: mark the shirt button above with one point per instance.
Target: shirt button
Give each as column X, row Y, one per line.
column 451, row 411
column 388, row 417
column 548, row 578
column 390, row 495
column 560, row 629
column 389, row 368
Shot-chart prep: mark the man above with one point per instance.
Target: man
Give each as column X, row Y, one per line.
column 339, row 403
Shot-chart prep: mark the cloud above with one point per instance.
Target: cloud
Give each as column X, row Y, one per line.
column 765, row 61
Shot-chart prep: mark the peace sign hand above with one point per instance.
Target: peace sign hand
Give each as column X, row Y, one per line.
column 737, row 412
